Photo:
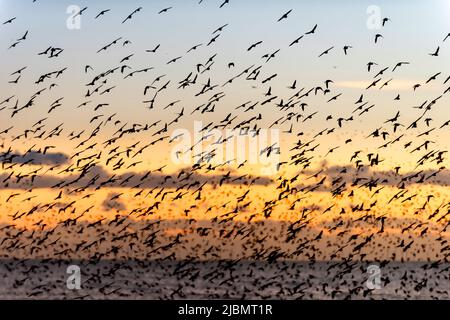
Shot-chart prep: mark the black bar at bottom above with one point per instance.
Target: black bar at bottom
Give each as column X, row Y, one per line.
column 225, row 309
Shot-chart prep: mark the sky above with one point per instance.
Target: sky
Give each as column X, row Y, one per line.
column 190, row 23
column 415, row 29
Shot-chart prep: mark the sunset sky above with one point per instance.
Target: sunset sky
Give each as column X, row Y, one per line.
column 415, row 30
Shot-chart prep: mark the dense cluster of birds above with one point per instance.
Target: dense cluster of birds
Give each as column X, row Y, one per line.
column 254, row 280
column 363, row 195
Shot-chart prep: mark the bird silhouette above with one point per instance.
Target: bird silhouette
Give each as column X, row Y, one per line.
column 284, row 16
column 436, row 53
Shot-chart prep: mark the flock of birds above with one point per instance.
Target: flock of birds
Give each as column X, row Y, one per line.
column 37, row 231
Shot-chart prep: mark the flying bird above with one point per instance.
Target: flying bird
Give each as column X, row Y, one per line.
column 313, row 30
column 346, row 49
column 130, row 16
column 9, row 21
column 284, row 16
column 436, row 53
column 378, row 36
column 102, row 13
column 164, row 10
column 326, row 51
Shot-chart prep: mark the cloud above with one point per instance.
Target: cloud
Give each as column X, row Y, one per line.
column 109, row 203
column 36, row 158
column 351, row 175
column 98, row 177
